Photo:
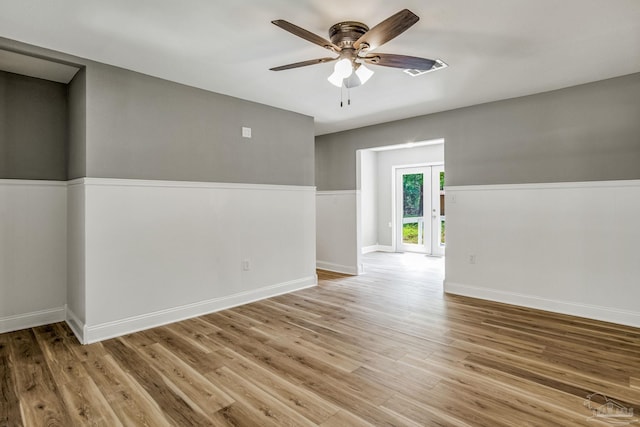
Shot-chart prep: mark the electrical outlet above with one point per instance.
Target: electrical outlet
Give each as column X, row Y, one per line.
column 472, row 258
column 246, row 264
column 246, row 132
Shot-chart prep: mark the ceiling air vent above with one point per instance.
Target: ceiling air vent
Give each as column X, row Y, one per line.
column 437, row 66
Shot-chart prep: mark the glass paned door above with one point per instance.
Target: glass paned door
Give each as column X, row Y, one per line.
column 420, row 219
column 413, row 193
column 413, row 208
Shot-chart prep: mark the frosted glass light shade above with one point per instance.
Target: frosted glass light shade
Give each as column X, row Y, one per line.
column 363, row 73
column 341, row 71
column 335, row 79
column 344, row 68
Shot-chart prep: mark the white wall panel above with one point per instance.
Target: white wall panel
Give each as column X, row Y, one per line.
column 33, row 223
column 337, row 246
column 368, row 184
column 75, row 292
column 565, row 247
column 158, row 251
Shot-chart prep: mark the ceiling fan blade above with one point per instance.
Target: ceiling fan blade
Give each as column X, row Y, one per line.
column 399, row 61
column 302, row 64
column 307, row 35
column 388, row 29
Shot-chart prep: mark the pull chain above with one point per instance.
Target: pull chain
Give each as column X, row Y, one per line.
column 342, row 96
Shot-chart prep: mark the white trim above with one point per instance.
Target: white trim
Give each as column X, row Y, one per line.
column 359, row 264
column 76, row 325
column 338, row 193
column 33, row 319
column 416, row 165
column 76, row 181
column 405, row 145
column 369, row 249
column 117, row 182
column 546, row 185
column 175, row 314
column 377, row 248
column 33, row 182
column 337, row 268
column 606, row 314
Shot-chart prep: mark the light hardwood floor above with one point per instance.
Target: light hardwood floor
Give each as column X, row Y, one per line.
column 383, row 348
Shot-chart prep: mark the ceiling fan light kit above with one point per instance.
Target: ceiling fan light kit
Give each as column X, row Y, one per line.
column 353, row 42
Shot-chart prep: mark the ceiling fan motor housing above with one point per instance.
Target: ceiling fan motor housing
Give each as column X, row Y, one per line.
column 345, row 34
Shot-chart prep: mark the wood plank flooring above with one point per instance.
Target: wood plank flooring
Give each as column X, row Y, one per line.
column 384, row 348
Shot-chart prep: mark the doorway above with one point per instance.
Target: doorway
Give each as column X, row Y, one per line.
column 419, row 209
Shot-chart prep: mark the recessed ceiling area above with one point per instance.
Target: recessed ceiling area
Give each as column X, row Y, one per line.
column 495, row 49
column 17, row 63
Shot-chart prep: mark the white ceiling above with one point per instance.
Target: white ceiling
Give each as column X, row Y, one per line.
column 495, row 49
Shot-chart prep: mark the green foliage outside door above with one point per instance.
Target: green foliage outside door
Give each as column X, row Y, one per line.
column 412, row 207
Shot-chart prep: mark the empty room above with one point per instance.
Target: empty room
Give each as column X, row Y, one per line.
column 319, row 213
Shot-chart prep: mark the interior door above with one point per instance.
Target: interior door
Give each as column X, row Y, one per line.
column 413, row 207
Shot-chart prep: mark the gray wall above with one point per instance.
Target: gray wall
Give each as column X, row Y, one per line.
column 33, row 128
column 141, row 127
column 77, row 148
column 584, row 133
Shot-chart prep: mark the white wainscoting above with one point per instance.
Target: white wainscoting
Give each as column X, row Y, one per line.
column 336, row 244
column 161, row 251
column 33, row 253
column 75, row 293
column 565, row 247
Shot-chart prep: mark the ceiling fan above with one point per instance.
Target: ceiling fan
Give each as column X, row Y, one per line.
column 354, row 43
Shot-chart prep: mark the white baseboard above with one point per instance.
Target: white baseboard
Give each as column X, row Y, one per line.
column 369, row 249
column 337, row 268
column 377, row 248
column 76, row 325
column 91, row 334
column 606, row 314
column 30, row 320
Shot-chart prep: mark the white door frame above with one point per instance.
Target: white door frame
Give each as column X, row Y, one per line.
column 437, row 249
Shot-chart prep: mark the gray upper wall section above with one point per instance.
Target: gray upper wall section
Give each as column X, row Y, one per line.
column 589, row 132
column 33, row 128
column 142, row 127
column 76, row 152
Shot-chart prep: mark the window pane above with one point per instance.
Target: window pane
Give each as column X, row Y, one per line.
column 412, row 186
